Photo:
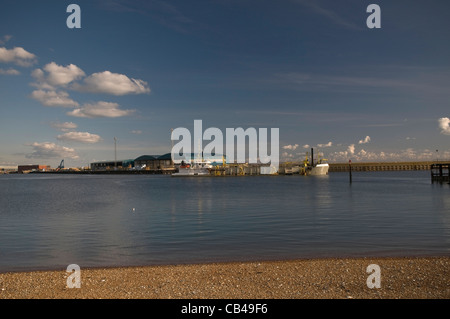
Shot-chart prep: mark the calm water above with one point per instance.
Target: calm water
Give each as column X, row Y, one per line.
column 51, row 221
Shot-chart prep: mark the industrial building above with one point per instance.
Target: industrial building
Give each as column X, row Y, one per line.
column 7, row 169
column 154, row 162
column 30, row 168
column 111, row 165
column 144, row 162
column 213, row 159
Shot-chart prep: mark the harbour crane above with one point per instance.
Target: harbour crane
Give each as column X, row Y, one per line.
column 61, row 165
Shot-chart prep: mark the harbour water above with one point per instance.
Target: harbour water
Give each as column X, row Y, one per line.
column 51, row 221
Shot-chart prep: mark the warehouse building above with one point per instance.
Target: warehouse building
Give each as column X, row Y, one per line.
column 32, row 168
column 8, row 169
column 111, row 165
column 144, row 162
column 154, row 162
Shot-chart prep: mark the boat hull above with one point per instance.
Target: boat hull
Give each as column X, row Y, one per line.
column 318, row 170
column 192, row 172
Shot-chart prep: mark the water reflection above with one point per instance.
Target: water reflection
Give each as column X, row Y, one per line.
column 52, row 222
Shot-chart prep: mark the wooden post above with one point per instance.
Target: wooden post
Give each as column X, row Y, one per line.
column 350, row 169
column 431, row 171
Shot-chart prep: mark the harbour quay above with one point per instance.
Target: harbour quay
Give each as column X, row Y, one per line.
column 153, row 164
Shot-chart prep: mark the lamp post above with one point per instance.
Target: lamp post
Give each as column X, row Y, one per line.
column 115, row 153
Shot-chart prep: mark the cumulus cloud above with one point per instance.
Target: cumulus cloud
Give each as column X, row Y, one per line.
column 10, row 71
column 66, row 126
column 100, row 109
column 444, row 125
column 54, row 98
column 286, row 155
column 137, row 132
column 306, row 146
column 365, row 140
column 83, row 137
column 18, row 56
column 51, row 150
column 112, row 83
column 329, row 144
column 351, row 149
column 54, row 75
column 408, row 154
column 290, row 147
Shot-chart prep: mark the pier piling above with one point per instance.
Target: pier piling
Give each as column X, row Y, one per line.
column 440, row 173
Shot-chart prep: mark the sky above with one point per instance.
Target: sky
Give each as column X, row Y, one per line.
column 137, row 69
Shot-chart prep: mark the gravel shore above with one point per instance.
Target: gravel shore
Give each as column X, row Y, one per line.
column 404, row 278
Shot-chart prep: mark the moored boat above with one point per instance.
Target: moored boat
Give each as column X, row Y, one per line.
column 195, row 168
column 316, row 169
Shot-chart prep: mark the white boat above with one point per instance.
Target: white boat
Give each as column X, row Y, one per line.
column 316, row 169
column 196, row 168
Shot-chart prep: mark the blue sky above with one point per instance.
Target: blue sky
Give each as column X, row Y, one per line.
column 136, row 69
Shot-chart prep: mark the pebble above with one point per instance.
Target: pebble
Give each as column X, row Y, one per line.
column 300, row 279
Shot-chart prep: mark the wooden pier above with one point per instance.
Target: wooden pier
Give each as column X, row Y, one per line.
column 440, row 173
column 381, row 166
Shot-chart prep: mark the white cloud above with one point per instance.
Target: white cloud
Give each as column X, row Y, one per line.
column 306, row 146
column 365, row 140
column 100, row 109
column 10, row 71
column 53, row 98
column 137, row 132
column 290, row 147
column 408, row 154
column 112, row 83
column 329, row 144
column 56, row 75
column 51, row 150
column 362, row 152
column 351, row 149
column 66, row 126
column 18, row 56
column 444, row 125
column 286, row 156
column 83, row 137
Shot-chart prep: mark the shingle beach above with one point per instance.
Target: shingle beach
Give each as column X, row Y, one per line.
column 404, row 278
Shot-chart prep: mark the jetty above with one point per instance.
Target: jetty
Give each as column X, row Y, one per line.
column 440, row 173
column 382, row 166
